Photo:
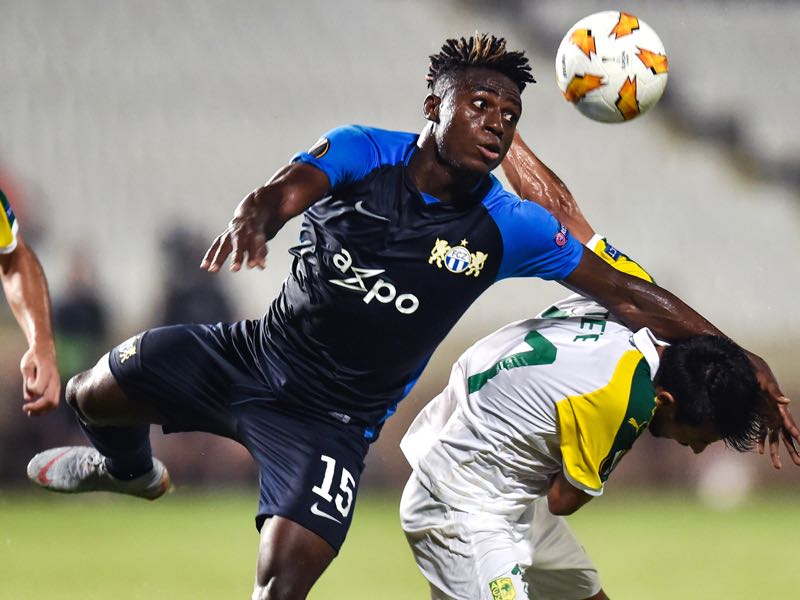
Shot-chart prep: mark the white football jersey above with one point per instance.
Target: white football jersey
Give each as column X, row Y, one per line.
column 569, row 391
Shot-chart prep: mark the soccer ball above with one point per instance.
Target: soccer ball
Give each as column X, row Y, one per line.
column 612, row 66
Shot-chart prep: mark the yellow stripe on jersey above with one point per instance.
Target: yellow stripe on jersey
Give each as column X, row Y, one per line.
column 618, row 260
column 7, row 222
column 598, row 428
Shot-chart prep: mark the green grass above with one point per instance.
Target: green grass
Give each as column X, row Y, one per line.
column 670, row 546
column 204, row 546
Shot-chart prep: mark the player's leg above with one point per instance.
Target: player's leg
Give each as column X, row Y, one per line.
column 460, row 554
column 309, row 469
column 290, row 560
column 175, row 376
column 560, row 568
column 99, row 401
column 118, row 428
column 424, row 520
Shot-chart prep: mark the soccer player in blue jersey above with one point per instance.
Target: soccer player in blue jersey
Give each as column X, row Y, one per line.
column 25, row 287
column 401, row 233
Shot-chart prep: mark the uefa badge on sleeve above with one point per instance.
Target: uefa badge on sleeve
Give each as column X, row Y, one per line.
column 561, row 236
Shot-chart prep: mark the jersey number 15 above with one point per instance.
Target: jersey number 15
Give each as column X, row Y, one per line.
column 344, row 501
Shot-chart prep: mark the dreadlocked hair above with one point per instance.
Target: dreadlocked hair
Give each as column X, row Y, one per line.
column 480, row 50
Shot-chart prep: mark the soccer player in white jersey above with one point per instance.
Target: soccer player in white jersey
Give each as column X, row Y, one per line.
column 534, row 419
column 25, row 288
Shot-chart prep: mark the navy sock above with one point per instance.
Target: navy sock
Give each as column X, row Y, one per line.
column 127, row 449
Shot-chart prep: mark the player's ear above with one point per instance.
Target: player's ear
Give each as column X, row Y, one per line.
column 430, row 108
column 665, row 399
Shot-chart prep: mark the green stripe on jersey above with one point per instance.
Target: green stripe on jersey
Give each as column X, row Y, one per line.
column 542, row 352
column 641, row 404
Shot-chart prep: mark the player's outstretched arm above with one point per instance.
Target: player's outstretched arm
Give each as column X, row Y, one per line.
column 261, row 215
column 25, row 288
column 638, row 303
column 533, row 180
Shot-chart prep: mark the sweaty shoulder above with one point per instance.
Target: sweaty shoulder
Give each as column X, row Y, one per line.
column 535, row 244
column 8, row 226
column 348, row 154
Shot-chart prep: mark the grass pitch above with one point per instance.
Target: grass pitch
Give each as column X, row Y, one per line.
column 203, row 546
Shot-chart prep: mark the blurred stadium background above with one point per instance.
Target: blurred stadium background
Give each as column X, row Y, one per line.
column 129, row 130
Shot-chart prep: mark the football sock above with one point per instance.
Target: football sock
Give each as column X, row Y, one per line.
column 127, row 449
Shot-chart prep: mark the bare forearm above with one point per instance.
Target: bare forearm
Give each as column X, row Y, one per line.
column 267, row 207
column 262, row 214
column 636, row 302
column 533, row 180
column 25, row 288
column 666, row 315
column 287, row 194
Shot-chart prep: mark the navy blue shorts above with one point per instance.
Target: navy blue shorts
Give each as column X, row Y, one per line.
column 207, row 378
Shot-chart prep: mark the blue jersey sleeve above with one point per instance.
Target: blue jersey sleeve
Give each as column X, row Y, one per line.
column 535, row 244
column 345, row 154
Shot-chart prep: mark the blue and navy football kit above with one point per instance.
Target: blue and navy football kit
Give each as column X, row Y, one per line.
column 382, row 272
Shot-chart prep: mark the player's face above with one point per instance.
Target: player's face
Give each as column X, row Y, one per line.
column 698, row 438
column 478, row 115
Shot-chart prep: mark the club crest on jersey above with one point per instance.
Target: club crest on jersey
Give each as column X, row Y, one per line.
column 457, row 259
column 127, row 349
column 561, row 236
column 502, row 588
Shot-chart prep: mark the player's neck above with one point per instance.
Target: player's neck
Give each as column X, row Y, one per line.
column 435, row 177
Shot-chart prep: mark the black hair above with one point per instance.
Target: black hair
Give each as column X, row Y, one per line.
column 480, row 50
column 712, row 381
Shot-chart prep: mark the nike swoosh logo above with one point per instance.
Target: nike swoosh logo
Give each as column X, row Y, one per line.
column 316, row 511
column 361, row 210
column 42, row 475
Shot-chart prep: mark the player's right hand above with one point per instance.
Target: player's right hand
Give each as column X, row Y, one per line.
column 778, row 422
column 780, row 427
column 242, row 240
column 41, row 382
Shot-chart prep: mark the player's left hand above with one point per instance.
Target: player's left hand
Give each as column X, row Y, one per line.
column 779, row 423
column 41, row 382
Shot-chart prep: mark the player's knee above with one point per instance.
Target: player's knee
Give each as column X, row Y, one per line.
column 82, row 395
column 282, row 579
column 72, row 392
column 280, row 587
